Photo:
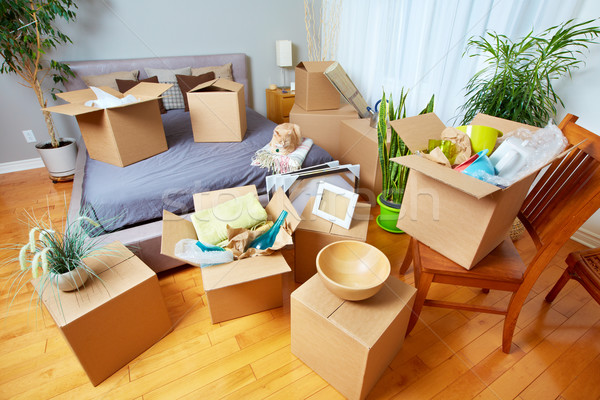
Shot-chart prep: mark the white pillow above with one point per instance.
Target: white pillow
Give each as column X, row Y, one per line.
column 110, row 79
column 172, row 98
column 221, row 71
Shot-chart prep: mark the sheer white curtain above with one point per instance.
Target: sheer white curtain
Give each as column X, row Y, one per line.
column 419, row 45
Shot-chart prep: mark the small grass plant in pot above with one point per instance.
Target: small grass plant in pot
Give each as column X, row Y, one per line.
column 53, row 258
column 393, row 175
column 28, row 31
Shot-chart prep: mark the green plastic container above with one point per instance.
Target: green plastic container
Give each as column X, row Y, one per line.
column 388, row 215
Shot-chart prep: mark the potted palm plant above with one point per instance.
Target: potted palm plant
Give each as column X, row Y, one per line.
column 516, row 81
column 393, row 175
column 27, row 32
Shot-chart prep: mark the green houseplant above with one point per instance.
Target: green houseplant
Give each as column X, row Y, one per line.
column 393, row 175
column 516, row 81
column 27, row 32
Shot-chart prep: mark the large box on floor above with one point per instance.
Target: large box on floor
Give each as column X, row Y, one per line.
column 218, row 111
column 349, row 343
column 323, row 127
column 313, row 89
column 113, row 318
column 359, row 145
column 241, row 287
column 457, row 215
column 313, row 233
column 119, row 135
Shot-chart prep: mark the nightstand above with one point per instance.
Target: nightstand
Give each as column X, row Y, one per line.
column 279, row 105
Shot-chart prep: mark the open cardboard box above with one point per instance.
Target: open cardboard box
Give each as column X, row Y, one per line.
column 113, row 318
column 241, row 287
column 457, row 215
column 119, row 135
column 313, row 233
column 313, row 90
column 218, row 111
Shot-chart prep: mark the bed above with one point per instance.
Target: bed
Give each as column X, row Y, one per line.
column 129, row 200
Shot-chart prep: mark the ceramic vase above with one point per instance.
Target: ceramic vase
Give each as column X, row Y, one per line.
column 59, row 161
column 71, row 280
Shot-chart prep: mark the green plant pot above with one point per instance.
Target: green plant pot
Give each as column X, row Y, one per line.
column 388, row 215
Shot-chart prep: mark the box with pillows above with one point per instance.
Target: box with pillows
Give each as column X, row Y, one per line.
column 119, row 115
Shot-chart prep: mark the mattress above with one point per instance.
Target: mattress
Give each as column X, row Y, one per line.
column 120, row 197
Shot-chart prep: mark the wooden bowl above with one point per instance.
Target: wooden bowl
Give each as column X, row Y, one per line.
column 352, row 270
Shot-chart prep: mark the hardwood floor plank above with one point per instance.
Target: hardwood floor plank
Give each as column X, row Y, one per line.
column 585, row 386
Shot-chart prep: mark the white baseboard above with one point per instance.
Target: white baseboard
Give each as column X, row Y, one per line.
column 587, row 238
column 15, row 166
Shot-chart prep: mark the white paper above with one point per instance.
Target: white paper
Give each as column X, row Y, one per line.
column 107, row 100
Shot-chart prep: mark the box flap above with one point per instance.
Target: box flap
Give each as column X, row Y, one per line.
column 315, row 66
column 175, row 228
column 83, row 95
column 280, row 202
column 503, row 125
column 148, row 89
column 224, row 84
column 416, row 131
column 311, row 222
column 245, row 270
column 205, row 200
column 72, row 109
column 458, row 180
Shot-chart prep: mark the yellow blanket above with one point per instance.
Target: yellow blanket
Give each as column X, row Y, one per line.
column 242, row 212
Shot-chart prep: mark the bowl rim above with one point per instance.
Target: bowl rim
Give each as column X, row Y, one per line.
column 364, row 287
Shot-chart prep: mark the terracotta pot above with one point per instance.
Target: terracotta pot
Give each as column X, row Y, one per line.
column 388, row 215
column 70, row 280
column 60, row 161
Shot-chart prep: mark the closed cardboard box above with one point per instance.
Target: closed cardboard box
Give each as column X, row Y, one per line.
column 359, row 145
column 457, row 215
column 313, row 89
column 349, row 343
column 241, row 287
column 313, row 233
column 119, row 135
column 324, row 127
column 218, row 111
column 112, row 319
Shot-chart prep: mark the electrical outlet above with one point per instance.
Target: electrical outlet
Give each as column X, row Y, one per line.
column 29, row 136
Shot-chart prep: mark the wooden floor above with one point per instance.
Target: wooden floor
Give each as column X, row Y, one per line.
column 450, row 354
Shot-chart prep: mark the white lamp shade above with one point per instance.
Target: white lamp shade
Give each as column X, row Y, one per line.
column 283, row 52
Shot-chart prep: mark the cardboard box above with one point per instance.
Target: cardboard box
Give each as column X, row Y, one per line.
column 313, row 233
column 359, row 145
column 218, row 111
column 111, row 320
column 457, row 215
column 241, row 287
column 349, row 343
column 313, row 89
column 119, row 135
column 323, row 127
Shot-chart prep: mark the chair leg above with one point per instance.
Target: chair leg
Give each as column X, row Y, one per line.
column 512, row 314
column 562, row 281
column 424, row 282
column 408, row 258
column 485, row 290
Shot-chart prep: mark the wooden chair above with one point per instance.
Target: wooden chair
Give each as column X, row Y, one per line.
column 584, row 267
column 565, row 196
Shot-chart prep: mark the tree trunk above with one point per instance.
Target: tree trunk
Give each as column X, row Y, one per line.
column 47, row 116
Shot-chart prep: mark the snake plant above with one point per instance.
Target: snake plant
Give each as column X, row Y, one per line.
column 393, row 175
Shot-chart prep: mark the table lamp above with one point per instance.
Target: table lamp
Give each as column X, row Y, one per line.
column 283, row 54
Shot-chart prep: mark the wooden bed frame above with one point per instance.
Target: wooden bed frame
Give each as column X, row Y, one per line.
column 145, row 240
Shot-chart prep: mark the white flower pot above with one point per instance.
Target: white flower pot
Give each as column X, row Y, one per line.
column 60, row 161
column 71, row 280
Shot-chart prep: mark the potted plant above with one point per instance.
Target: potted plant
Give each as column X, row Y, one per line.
column 54, row 258
column 516, row 81
column 393, row 175
column 27, row 33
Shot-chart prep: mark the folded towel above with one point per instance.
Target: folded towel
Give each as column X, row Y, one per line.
column 241, row 212
column 106, row 100
column 280, row 164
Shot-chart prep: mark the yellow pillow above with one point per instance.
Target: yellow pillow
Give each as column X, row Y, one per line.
column 110, row 79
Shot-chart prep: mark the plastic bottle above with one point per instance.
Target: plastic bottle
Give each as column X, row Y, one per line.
column 267, row 239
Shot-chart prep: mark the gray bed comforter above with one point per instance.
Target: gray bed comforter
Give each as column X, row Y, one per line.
column 124, row 197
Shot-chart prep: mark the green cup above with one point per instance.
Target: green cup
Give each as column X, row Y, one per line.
column 482, row 137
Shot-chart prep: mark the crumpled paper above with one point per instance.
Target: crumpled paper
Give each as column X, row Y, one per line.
column 240, row 238
column 107, row 100
column 461, row 141
column 438, row 156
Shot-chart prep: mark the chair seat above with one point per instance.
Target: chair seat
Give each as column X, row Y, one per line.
column 587, row 265
column 503, row 264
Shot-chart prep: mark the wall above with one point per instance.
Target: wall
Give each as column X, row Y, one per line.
column 134, row 28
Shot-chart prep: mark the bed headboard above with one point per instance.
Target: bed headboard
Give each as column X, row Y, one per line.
column 99, row 67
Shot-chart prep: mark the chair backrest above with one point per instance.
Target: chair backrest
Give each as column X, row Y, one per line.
column 566, row 195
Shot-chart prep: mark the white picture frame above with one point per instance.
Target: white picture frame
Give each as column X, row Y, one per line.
column 335, row 204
